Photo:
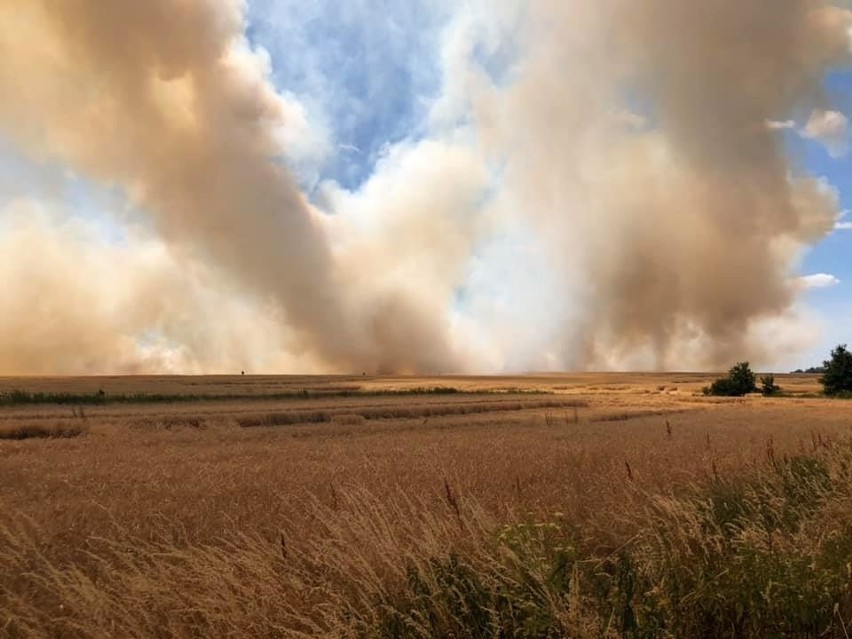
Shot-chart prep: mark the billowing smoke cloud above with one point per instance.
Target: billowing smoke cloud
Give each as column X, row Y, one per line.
column 165, row 99
column 617, row 175
column 676, row 237
column 74, row 302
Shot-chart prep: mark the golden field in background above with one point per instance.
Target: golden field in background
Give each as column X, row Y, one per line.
column 584, row 383
column 297, row 506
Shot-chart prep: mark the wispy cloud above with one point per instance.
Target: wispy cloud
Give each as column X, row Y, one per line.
column 818, row 280
column 779, row 125
column 831, row 129
column 842, row 223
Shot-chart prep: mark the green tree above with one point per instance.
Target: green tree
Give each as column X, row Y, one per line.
column 740, row 381
column 837, row 378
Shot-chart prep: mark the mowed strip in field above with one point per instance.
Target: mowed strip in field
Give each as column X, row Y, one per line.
column 291, row 515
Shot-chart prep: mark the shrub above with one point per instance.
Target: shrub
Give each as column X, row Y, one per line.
column 768, row 387
column 837, row 378
column 739, row 382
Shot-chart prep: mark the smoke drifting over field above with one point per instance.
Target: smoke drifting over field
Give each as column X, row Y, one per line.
column 628, row 138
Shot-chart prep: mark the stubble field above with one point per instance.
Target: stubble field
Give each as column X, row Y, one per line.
column 535, row 506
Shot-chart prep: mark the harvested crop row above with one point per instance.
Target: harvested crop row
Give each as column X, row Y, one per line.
column 402, row 412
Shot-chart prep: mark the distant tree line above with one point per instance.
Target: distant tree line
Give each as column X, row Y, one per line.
column 813, row 370
column 836, row 378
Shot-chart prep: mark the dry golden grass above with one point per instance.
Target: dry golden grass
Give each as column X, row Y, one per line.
column 178, row 520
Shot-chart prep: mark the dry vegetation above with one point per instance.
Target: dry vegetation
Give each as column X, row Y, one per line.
column 596, row 505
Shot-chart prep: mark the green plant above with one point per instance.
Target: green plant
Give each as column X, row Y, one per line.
column 515, row 586
column 734, row 557
column 768, row 387
column 837, row 378
column 739, row 382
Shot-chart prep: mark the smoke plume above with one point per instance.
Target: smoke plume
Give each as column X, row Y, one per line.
column 675, row 228
column 165, row 99
column 622, row 157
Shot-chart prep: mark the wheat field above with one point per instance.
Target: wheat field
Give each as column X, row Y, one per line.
column 596, row 505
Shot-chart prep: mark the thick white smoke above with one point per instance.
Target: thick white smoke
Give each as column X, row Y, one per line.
column 618, row 196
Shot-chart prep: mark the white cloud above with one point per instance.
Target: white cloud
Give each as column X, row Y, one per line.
column 818, row 280
column 842, row 224
column 831, row 129
column 780, row 125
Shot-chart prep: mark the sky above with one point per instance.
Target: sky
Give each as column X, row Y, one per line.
column 452, row 186
column 832, row 255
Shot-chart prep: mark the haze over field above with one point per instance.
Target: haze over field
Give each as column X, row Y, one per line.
column 588, row 185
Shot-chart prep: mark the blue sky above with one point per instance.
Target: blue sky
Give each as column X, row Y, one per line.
column 368, row 83
column 834, row 254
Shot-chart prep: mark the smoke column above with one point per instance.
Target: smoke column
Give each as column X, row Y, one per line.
column 680, row 220
column 629, row 137
column 163, row 99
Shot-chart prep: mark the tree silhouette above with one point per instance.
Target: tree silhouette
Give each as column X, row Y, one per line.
column 740, row 381
column 837, row 378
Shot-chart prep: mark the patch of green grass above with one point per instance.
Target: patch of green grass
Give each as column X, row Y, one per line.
column 520, row 594
column 762, row 555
